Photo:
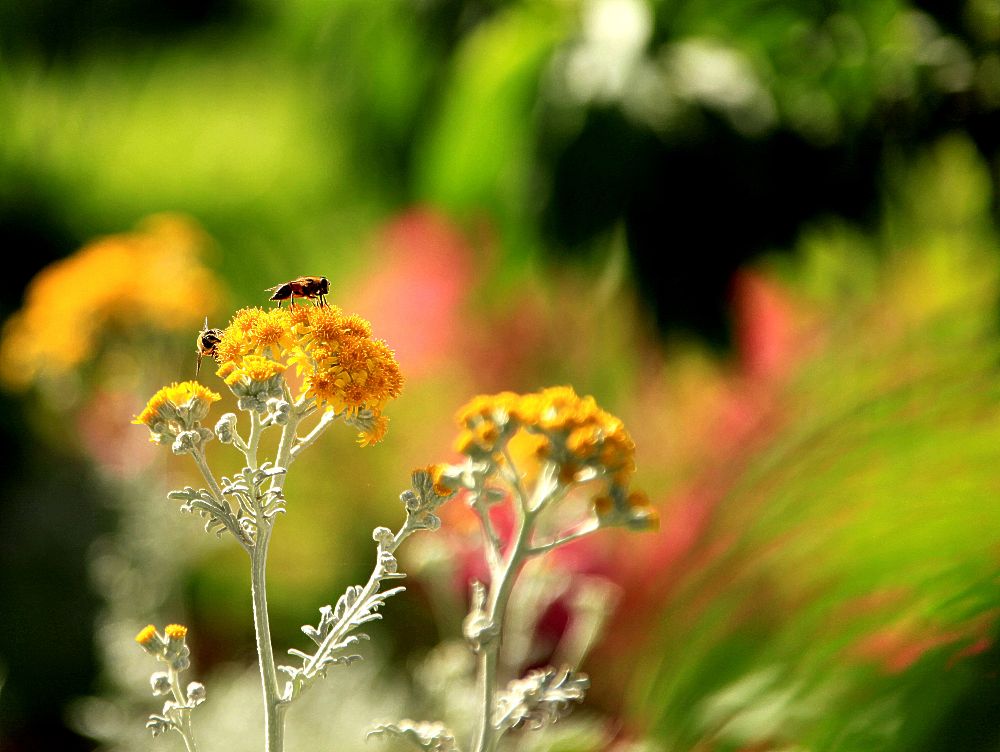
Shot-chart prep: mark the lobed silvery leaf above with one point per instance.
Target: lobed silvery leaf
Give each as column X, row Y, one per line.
column 219, row 515
column 431, row 737
column 540, row 698
column 336, row 632
column 158, row 724
column 247, row 488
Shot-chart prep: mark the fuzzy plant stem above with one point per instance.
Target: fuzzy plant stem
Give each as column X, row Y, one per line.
column 274, row 716
column 184, row 728
column 502, row 581
column 274, row 727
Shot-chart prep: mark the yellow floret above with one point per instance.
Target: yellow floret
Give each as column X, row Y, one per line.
column 175, row 631
column 146, row 635
column 175, row 395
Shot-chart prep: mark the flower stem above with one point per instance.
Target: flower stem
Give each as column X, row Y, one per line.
column 488, row 653
column 184, row 727
column 324, row 422
column 274, row 721
column 273, row 715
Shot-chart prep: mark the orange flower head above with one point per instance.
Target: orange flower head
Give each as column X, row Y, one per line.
column 342, row 367
column 147, row 635
column 272, row 331
column 376, row 433
column 441, row 487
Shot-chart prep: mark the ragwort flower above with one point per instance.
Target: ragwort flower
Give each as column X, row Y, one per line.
column 338, row 363
column 572, row 433
column 173, row 416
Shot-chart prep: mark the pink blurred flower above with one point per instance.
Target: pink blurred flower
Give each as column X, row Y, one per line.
column 415, row 287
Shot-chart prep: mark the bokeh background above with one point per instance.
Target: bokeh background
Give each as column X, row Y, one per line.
column 762, row 233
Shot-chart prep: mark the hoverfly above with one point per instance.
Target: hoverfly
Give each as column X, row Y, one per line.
column 205, row 344
column 302, row 287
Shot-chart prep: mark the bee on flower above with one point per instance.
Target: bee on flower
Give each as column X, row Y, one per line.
column 310, row 288
column 331, row 356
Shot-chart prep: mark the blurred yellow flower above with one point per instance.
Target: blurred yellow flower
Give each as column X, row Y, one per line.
column 572, row 430
column 558, row 426
column 149, row 278
column 639, row 511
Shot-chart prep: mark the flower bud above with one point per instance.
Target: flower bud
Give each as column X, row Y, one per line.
column 225, row 429
column 186, row 442
column 252, row 403
column 281, row 411
column 150, row 641
column 177, row 651
column 196, row 693
column 159, row 683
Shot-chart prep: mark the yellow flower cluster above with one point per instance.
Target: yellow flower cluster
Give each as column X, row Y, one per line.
column 151, row 278
column 183, row 403
column 569, row 430
column 148, row 634
column 572, row 430
column 170, row 647
column 341, row 365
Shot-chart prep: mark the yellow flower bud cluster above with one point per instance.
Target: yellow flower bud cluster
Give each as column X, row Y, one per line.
column 170, row 647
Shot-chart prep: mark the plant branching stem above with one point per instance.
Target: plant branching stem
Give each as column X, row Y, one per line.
column 502, row 578
column 228, row 520
column 582, row 532
column 324, row 422
column 184, row 729
column 371, row 587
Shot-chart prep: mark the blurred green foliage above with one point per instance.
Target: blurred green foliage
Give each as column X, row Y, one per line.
column 856, row 606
